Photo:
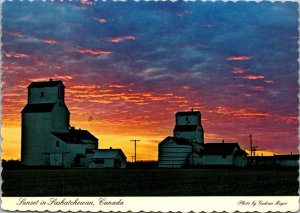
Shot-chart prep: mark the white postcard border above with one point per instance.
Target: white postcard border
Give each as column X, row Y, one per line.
column 156, row 204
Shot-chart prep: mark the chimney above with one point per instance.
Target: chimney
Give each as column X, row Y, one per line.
column 110, row 148
column 192, row 110
column 50, row 79
column 222, row 141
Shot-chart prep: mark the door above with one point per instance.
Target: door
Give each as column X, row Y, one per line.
column 55, row 159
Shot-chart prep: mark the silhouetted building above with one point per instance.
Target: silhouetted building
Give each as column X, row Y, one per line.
column 291, row 160
column 47, row 138
column 187, row 147
column 107, row 158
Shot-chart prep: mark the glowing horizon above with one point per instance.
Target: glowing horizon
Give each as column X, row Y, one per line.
column 126, row 75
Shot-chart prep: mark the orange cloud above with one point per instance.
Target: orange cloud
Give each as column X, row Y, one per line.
column 186, row 87
column 240, row 113
column 87, row 2
column 102, row 20
column 16, row 55
column 16, row 34
column 122, row 38
column 269, row 81
column 257, row 88
column 93, row 52
column 238, row 58
column 55, row 76
column 252, row 77
column 49, row 41
column 115, row 86
column 238, row 70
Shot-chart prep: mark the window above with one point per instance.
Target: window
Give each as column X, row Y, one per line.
column 57, row 143
column 42, row 94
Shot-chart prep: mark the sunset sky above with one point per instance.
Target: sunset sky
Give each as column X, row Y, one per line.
column 129, row 67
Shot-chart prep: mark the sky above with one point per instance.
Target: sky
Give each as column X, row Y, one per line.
column 128, row 67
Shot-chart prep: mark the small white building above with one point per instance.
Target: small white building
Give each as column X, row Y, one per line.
column 287, row 160
column 107, row 158
column 187, row 147
column 220, row 154
column 47, row 138
column 291, row 160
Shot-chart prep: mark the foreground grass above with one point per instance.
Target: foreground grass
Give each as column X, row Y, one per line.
column 149, row 182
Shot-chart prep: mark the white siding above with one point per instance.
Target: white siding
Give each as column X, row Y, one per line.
column 240, row 161
column 187, row 120
column 60, row 118
column 68, row 151
column 90, row 144
column 50, row 95
column 106, row 160
column 216, row 160
column 36, row 130
column 191, row 136
column 287, row 163
column 172, row 155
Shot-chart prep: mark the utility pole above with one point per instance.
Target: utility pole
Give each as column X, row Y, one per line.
column 250, row 145
column 134, row 148
column 132, row 158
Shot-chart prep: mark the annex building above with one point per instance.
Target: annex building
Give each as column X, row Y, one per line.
column 187, row 148
column 47, row 138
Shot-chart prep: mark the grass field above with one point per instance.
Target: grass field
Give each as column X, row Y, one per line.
column 149, row 182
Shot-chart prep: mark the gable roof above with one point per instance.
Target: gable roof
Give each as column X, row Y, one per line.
column 42, row 84
column 75, row 136
column 68, row 137
column 219, row 148
column 83, row 134
column 36, row 108
column 178, row 141
column 185, row 128
column 186, row 113
column 108, row 153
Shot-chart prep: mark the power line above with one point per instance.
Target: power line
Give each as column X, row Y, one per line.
column 134, row 148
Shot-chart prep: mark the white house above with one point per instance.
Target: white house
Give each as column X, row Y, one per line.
column 107, row 158
column 220, row 154
column 187, row 147
column 47, row 138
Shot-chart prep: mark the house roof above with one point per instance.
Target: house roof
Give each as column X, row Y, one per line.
column 42, row 84
column 108, row 153
column 75, row 136
column 240, row 152
column 179, row 141
column 219, row 148
column 35, row 108
column 185, row 128
column 83, row 134
column 186, row 113
column 68, row 137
